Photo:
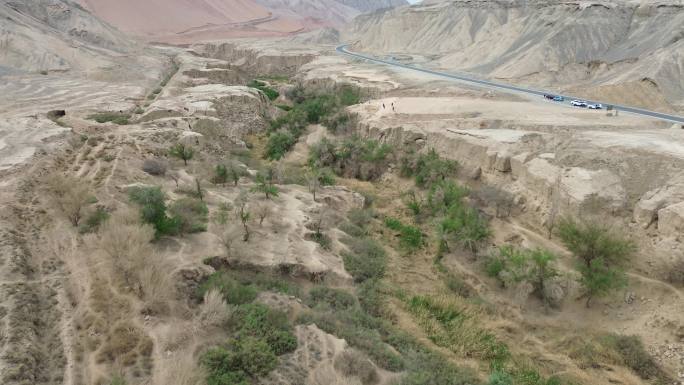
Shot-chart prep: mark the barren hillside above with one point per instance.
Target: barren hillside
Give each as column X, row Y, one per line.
column 57, row 35
column 614, row 50
column 183, row 21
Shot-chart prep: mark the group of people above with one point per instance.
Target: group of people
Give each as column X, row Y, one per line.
column 393, row 109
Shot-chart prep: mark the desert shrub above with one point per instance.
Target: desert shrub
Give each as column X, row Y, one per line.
column 393, row 224
column 635, row 356
column 341, row 123
column 125, row 344
column 463, row 226
column 352, row 229
column 602, row 254
column 221, row 174
column 182, row 151
column 259, row 321
column 70, row 195
column 214, row 311
column 457, row 286
column 265, row 184
column 279, row 143
column 427, row 168
column 354, row 364
column 154, row 167
column 365, row 259
column 120, row 118
column 499, row 377
column 445, row 195
column 452, row 324
column 261, row 86
column 360, row 217
column 238, row 361
column 260, row 335
column 153, row 209
column 353, row 157
column 233, row 292
column 336, row 299
column 190, row 215
column 117, row 380
column 410, row 237
column 94, row 220
column 491, row 196
column 676, row 272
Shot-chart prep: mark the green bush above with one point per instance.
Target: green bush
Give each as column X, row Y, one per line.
column 463, row 226
column 499, row 377
column 258, row 320
column 234, row 293
column 393, row 224
column 635, row 356
column 183, row 152
column 261, row 86
column 279, row 143
column 602, row 255
column 220, row 174
column 120, row 118
column 336, row 299
column 365, row 260
column 427, row 168
column 265, row 185
column 153, row 209
column 411, row 238
column 445, row 195
column 93, row 221
column 191, row 215
column 353, row 157
column 248, row 356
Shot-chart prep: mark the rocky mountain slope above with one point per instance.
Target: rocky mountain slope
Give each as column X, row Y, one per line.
column 57, row 35
column 607, row 49
column 180, row 21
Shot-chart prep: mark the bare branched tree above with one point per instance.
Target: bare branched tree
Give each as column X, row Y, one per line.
column 262, row 210
column 70, row 196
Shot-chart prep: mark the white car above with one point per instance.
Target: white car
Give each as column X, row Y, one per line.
column 579, row 103
column 596, row 106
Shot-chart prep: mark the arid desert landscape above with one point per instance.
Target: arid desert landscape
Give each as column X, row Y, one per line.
column 212, row 192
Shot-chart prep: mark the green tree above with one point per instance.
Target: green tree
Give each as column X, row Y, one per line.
column 220, row 174
column 264, row 184
column 234, row 174
column 464, row 226
column 181, row 151
column 244, row 215
column 279, row 143
column 153, row 209
column 602, row 255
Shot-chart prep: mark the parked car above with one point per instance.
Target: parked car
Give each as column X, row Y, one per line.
column 579, row 103
column 558, row 98
column 547, row 96
column 595, row 106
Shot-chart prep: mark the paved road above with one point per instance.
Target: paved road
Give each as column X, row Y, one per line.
column 486, row 83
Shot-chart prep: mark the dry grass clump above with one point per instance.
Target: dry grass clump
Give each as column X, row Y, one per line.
column 328, row 376
column 179, row 369
column 125, row 345
column 676, row 273
column 214, row 311
column 354, row 364
column 154, row 167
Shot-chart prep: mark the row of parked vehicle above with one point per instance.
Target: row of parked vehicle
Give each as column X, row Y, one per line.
column 575, row 103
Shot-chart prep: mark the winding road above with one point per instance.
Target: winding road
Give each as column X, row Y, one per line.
column 508, row 87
